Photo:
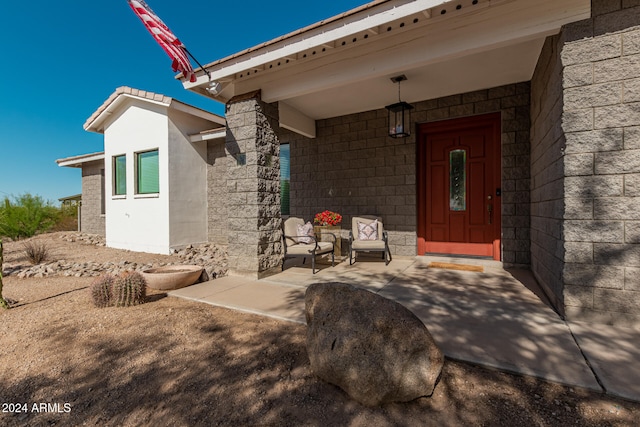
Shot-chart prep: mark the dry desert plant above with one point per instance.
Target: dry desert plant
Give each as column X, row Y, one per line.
column 36, row 251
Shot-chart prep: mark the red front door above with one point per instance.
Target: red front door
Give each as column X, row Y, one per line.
column 459, row 186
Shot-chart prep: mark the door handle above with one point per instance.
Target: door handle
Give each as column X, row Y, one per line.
column 490, row 208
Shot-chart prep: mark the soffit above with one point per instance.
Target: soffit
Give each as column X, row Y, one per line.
column 474, row 45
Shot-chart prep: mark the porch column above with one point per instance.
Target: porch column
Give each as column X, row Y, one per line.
column 601, row 160
column 253, row 187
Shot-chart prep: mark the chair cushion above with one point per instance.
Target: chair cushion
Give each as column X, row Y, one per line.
column 305, row 249
column 368, row 245
column 305, row 233
column 368, row 231
column 291, row 230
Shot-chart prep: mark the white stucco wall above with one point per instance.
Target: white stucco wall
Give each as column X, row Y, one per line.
column 187, row 180
column 177, row 215
column 137, row 222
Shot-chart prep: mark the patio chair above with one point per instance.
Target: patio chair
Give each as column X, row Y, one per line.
column 367, row 234
column 300, row 241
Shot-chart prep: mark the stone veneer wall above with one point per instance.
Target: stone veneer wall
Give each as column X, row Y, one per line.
column 253, row 186
column 354, row 168
column 601, row 121
column 92, row 218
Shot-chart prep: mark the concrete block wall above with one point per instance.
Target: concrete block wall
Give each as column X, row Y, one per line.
column 354, row 168
column 92, row 215
column 253, row 187
column 547, row 173
column 601, row 121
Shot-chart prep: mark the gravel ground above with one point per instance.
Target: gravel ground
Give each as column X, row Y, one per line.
column 179, row 363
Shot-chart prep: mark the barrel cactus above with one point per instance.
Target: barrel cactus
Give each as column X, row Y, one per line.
column 102, row 291
column 129, row 288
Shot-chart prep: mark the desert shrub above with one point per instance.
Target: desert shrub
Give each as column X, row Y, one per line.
column 36, row 251
column 102, row 291
column 26, row 216
column 129, row 288
column 67, row 219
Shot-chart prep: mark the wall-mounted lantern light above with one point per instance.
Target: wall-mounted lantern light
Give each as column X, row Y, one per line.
column 399, row 114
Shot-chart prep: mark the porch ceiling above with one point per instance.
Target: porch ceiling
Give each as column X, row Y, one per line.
column 344, row 66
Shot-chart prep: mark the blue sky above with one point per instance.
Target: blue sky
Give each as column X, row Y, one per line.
column 62, row 59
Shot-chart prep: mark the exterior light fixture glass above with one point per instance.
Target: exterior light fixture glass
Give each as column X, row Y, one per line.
column 214, row 88
column 399, row 114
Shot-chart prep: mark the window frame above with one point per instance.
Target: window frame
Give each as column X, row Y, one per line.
column 103, row 195
column 114, row 179
column 137, row 156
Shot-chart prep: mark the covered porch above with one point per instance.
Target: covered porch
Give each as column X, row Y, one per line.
column 322, row 91
column 542, row 189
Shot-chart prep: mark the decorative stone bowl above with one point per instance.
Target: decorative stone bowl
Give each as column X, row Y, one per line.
column 172, row 276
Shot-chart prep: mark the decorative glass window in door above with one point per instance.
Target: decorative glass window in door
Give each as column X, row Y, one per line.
column 457, row 180
column 285, row 179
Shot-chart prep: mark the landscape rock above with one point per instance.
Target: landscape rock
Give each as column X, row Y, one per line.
column 209, row 256
column 373, row 348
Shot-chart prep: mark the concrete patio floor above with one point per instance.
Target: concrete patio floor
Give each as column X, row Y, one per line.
column 491, row 318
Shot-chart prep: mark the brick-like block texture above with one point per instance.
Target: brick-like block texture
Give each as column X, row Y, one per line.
column 354, row 168
column 548, row 171
column 601, row 123
column 253, row 187
column 92, row 219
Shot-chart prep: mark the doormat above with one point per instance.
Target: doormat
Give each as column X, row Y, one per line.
column 461, row 267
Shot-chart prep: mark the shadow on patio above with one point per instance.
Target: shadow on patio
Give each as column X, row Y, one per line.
column 488, row 318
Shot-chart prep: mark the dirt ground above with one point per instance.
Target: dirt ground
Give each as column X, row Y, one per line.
column 172, row 362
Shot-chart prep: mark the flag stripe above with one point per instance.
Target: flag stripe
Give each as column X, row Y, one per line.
column 164, row 37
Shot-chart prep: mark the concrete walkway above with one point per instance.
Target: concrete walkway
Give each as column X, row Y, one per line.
column 491, row 318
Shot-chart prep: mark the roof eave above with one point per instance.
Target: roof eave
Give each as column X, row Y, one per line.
column 363, row 18
column 78, row 161
column 96, row 123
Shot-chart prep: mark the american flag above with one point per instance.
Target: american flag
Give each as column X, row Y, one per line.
column 165, row 38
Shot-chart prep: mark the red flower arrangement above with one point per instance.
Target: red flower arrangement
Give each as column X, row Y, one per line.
column 327, row 218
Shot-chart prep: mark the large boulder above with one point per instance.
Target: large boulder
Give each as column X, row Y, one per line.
column 373, row 348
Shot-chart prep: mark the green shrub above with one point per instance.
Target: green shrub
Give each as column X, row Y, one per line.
column 26, row 216
column 67, row 219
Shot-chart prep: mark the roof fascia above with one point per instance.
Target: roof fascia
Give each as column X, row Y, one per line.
column 97, row 124
column 209, row 135
column 320, row 34
column 78, row 161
